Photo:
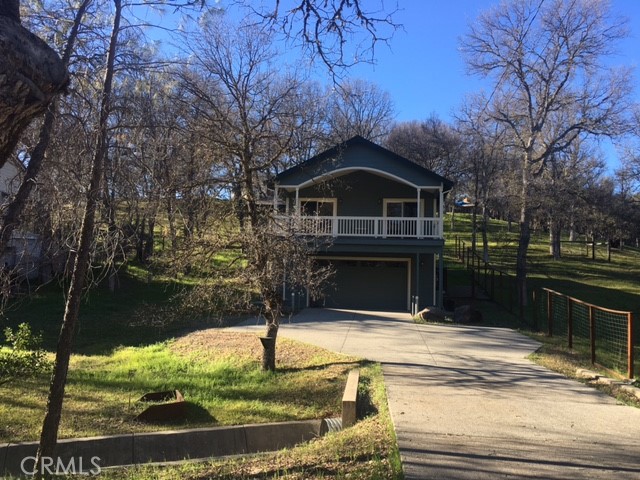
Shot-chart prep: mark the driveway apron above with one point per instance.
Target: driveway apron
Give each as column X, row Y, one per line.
column 466, row 403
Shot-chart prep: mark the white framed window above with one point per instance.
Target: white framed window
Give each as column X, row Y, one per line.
column 402, row 207
column 319, row 207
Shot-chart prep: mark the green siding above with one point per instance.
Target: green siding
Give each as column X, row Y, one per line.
column 361, row 194
column 360, row 154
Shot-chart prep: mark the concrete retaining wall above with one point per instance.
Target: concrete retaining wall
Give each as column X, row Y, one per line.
column 167, row 446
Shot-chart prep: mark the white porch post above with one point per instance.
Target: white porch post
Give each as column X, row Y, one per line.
column 419, row 222
column 275, row 199
column 441, row 211
column 440, row 280
column 297, row 201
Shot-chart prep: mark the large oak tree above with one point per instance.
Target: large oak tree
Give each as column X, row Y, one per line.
column 546, row 60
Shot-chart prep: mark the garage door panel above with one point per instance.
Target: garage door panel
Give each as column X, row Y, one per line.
column 368, row 284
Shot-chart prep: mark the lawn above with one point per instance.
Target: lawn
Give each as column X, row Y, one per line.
column 366, row 450
column 123, row 352
column 217, row 371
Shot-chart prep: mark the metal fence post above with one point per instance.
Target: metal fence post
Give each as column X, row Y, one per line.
column 534, row 301
column 493, row 284
column 570, row 321
column 550, row 314
column 592, row 334
column 630, row 367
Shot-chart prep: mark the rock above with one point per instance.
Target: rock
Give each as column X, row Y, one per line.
column 432, row 314
column 466, row 314
column 586, row 374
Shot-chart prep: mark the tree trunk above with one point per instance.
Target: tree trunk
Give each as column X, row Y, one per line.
column 11, row 216
column 149, row 240
column 171, row 216
column 554, row 238
column 524, row 240
column 452, row 222
column 485, row 240
column 31, row 75
column 51, row 423
column 269, row 346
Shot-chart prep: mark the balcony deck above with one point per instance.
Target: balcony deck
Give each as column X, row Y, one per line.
column 363, row 227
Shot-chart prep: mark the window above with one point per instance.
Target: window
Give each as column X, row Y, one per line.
column 318, row 207
column 396, row 210
column 402, row 208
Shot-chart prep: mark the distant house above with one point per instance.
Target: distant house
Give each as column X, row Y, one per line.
column 24, row 251
column 10, row 176
column 383, row 215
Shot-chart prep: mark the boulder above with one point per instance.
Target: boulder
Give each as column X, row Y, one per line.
column 432, row 314
column 466, row 314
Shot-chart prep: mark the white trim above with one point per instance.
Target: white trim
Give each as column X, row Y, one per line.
column 332, row 173
column 379, row 259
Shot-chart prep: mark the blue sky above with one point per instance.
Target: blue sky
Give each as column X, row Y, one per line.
column 423, row 70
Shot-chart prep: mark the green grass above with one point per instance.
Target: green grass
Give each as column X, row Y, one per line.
column 611, row 284
column 366, row 450
column 218, row 372
column 130, row 316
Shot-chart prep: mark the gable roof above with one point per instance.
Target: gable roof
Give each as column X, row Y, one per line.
column 360, row 154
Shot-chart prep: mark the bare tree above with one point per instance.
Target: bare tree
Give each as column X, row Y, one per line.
column 249, row 115
column 431, row 143
column 550, row 85
column 49, row 433
column 358, row 107
column 484, row 155
column 562, row 189
column 340, row 33
column 11, row 213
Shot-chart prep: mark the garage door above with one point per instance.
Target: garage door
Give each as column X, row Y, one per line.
column 368, row 285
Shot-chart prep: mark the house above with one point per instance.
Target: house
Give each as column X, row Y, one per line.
column 383, row 217
column 24, row 250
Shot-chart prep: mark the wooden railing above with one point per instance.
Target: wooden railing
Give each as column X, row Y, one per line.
column 375, row 227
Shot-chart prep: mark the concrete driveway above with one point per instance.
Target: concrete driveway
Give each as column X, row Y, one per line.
column 467, row 404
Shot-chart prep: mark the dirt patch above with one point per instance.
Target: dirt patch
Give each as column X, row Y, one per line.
column 215, row 343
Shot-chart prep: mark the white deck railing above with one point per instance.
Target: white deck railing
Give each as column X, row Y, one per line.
column 376, row 227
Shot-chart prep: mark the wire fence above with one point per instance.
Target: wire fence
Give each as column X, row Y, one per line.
column 499, row 286
column 605, row 334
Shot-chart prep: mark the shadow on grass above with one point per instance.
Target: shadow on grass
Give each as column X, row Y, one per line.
column 322, row 366
column 194, row 413
column 365, row 406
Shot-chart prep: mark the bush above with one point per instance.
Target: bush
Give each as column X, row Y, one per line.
column 22, row 356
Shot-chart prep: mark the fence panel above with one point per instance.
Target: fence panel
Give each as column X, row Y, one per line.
column 500, row 286
column 607, row 335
